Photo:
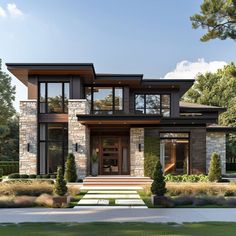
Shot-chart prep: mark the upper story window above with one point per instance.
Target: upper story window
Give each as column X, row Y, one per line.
column 105, row 100
column 158, row 104
column 53, row 97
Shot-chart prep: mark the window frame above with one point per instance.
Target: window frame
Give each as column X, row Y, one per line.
column 113, row 111
column 145, row 107
column 64, row 111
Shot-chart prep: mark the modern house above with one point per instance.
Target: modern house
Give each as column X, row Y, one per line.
column 118, row 118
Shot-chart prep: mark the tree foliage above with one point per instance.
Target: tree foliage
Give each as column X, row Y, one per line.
column 70, row 170
column 218, row 17
column 7, row 96
column 158, row 185
column 60, row 188
column 215, row 168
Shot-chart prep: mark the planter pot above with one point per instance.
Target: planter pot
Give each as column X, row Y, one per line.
column 59, row 201
column 94, row 168
column 162, row 201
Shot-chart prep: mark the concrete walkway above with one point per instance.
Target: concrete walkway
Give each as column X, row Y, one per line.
column 179, row 215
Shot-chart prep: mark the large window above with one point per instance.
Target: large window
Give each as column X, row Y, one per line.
column 105, row 100
column 158, row 104
column 53, row 97
column 174, row 153
column 53, row 146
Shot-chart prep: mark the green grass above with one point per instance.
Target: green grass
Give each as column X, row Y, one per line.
column 113, row 229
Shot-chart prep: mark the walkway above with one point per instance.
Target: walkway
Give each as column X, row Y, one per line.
column 116, row 215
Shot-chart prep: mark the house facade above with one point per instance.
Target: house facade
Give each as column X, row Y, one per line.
column 121, row 120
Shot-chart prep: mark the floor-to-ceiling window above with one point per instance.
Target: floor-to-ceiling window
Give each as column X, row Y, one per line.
column 174, row 153
column 53, row 146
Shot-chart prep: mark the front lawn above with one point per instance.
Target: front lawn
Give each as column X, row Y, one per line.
column 71, row 229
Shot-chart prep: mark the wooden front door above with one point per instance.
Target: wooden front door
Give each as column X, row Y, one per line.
column 113, row 152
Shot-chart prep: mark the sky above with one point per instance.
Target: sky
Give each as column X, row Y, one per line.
column 151, row 37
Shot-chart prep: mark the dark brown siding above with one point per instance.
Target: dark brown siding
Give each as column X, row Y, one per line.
column 33, row 87
column 51, row 118
column 197, row 145
column 126, row 100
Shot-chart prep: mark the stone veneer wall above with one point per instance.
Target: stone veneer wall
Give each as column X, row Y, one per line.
column 216, row 142
column 78, row 133
column 28, row 135
column 136, row 157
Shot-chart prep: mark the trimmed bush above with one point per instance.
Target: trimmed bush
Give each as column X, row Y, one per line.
column 158, row 185
column 60, row 185
column 45, row 176
column 151, row 155
column 14, row 176
column 53, row 176
column 38, row 176
column 186, row 178
column 1, row 172
column 24, row 176
column 70, row 170
column 32, row 176
column 214, row 174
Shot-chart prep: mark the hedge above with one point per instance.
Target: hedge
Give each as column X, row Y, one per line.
column 9, row 167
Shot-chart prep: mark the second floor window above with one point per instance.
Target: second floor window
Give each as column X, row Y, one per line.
column 152, row 104
column 105, row 100
column 53, row 97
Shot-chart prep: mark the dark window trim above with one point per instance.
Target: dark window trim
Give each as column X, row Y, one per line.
column 46, row 141
column 151, row 93
column 46, row 96
column 113, row 98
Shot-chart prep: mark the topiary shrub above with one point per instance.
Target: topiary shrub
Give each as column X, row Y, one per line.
column 32, row 176
column 158, row 185
column 38, row 176
column 45, row 176
column 151, row 155
column 60, row 185
column 1, row 172
column 14, row 176
column 70, row 169
column 24, row 176
column 214, row 174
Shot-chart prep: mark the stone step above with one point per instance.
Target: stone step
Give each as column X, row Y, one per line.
column 87, row 188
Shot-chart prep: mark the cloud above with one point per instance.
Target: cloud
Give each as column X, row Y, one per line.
column 189, row 70
column 2, row 13
column 11, row 10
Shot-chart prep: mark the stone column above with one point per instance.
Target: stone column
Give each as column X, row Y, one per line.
column 78, row 133
column 28, row 137
column 216, row 142
column 136, row 157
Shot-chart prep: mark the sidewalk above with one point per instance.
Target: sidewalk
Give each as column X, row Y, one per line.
column 180, row 215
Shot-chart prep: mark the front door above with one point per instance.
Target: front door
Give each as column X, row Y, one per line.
column 113, row 153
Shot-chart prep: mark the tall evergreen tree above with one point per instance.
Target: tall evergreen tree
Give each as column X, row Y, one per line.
column 60, row 188
column 218, row 17
column 70, row 170
column 215, row 168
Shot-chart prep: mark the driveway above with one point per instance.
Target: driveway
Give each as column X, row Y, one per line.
column 180, row 215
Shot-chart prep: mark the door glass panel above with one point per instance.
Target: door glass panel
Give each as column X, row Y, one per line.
column 55, row 154
column 125, row 168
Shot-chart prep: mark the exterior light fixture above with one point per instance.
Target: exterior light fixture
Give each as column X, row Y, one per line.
column 140, row 147
column 28, row 147
column 76, row 147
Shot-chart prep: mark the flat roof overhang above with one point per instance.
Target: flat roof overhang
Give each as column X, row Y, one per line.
column 221, row 129
column 118, row 119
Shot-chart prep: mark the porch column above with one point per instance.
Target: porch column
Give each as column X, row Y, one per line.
column 78, row 134
column 216, row 142
column 28, row 137
column 136, row 156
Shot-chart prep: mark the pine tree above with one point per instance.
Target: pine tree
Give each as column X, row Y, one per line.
column 60, row 185
column 159, row 185
column 215, row 168
column 70, row 170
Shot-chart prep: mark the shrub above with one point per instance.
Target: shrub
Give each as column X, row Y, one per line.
column 24, row 176
column 24, row 201
column 53, row 176
column 60, row 185
column 202, row 201
column 25, row 188
column 186, row 178
column 1, row 172
column 184, row 200
column 14, row 176
column 45, row 176
column 230, row 202
column 158, row 185
column 32, row 176
column 70, row 169
column 44, row 200
column 215, row 168
column 38, row 176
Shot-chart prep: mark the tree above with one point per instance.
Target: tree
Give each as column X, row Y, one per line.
column 214, row 173
column 158, row 185
column 218, row 17
column 70, row 170
column 60, row 185
column 7, row 96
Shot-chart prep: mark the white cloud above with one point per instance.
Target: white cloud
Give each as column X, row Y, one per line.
column 189, row 70
column 2, row 13
column 13, row 10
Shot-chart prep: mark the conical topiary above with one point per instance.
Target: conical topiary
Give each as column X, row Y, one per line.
column 60, row 185
column 158, row 185
column 70, row 170
column 214, row 173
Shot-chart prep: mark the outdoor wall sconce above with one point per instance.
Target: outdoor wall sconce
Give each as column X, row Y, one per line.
column 76, row 147
column 140, row 147
column 28, row 147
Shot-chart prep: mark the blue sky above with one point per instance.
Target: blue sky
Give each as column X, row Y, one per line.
column 153, row 37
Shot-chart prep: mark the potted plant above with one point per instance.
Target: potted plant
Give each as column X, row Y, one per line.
column 60, row 190
column 94, row 160
column 158, row 187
